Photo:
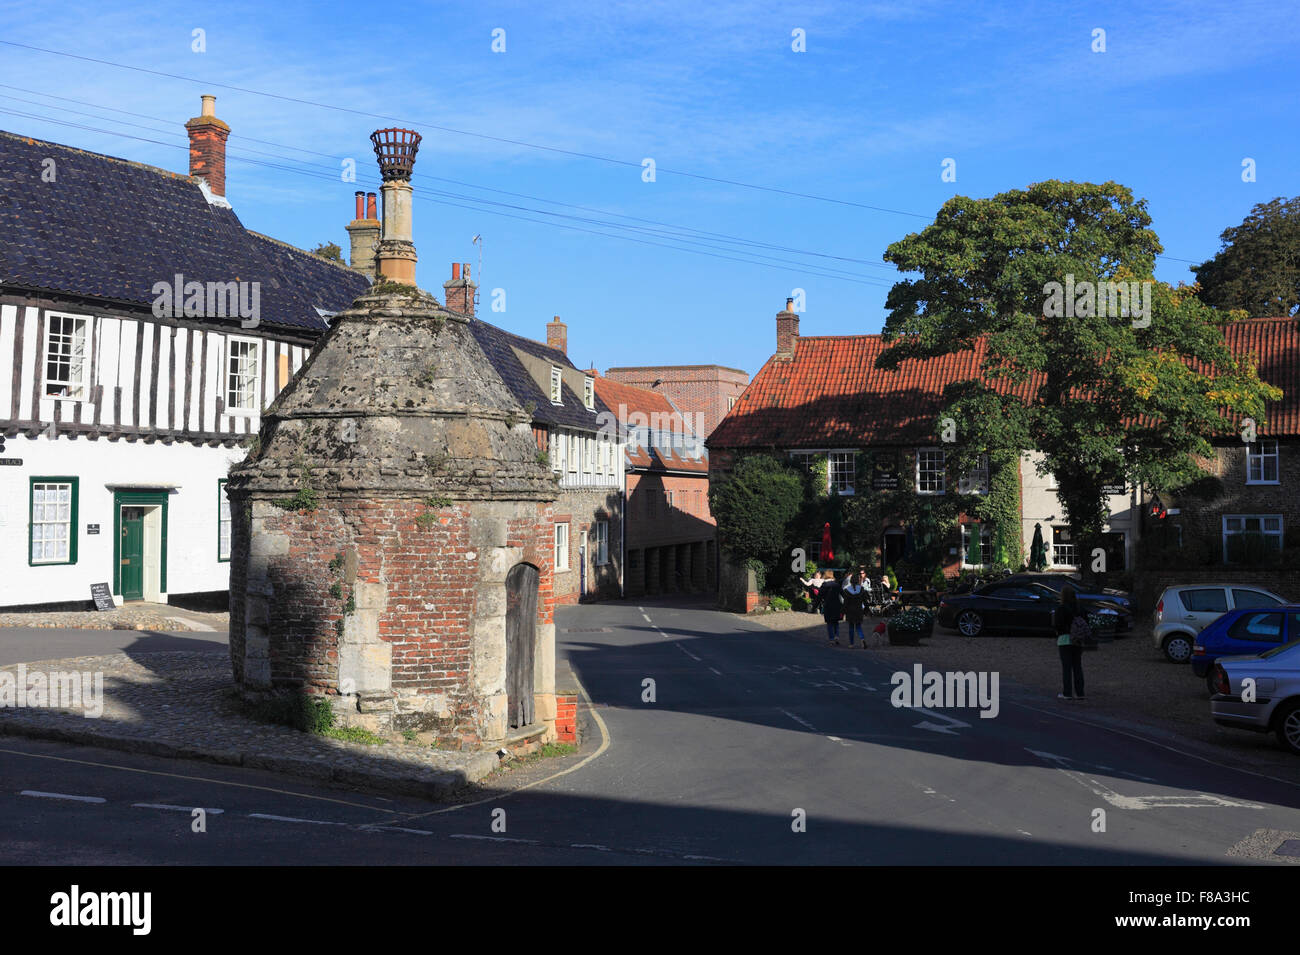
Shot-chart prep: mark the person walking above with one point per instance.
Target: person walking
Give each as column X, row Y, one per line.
column 832, row 608
column 818, row 581
column 854, row 606
column 1068, row 620
column 811, row 586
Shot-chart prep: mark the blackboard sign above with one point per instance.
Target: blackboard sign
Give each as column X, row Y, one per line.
column 11, row 462
column 103, row 596
column 1110, row 490
column 92, row 528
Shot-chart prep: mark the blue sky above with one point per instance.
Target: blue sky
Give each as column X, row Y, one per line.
column 882, row 95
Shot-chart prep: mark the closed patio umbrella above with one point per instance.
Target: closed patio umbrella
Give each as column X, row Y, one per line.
column 827, row 553
column 1038, row 550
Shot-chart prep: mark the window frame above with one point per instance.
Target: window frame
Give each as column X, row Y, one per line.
column 986, row 543
column 256, row 343
column 575, row 452
column 557, row 385
column 942, row 471
column 1263, row 456
column 589, row 393
column 844, row 488
column 87, row 365
column 602, row 543
column 1279, row 533
column 965, row 484
column 73, row 502
column 1071, row 544
column 561, row 526
column 224, row 502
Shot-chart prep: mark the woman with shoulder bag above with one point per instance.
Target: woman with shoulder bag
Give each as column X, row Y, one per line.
column 1071, row 626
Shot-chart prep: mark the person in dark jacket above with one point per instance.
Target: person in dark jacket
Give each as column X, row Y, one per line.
column 832, row 607
column 1071, row 653
column 854, row 607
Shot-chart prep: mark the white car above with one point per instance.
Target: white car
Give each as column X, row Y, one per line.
column 1184, row 611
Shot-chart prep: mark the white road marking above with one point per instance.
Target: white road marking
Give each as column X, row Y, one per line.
column 417, row 832
column 646, row 616
column 588, row 845
column 463, row 835
column 687, row 652
column 800, row 720
column 1179, row 801
column 718, row 672
column 312, row 822
column 41, row 795
column 936, row 727
column 160, row 805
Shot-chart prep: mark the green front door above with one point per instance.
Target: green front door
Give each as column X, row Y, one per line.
column 132, row 553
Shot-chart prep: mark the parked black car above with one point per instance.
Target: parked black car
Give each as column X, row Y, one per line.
column 1057, row 581
column 1024, row 606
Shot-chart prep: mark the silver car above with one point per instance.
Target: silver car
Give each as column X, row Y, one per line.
column 1261, row 692
column 1184, row 611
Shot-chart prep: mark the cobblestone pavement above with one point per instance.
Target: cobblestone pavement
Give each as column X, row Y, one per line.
column 134, row 616
column 179, row 704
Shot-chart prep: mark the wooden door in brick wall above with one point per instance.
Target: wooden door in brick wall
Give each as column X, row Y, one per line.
column 521, row 638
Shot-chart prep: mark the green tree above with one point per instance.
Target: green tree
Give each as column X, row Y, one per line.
column 329, row 250
column 1258, row 268
column 755, row 506
column 1099, row 397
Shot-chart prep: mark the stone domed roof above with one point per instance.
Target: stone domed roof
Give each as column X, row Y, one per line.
column 397, row 397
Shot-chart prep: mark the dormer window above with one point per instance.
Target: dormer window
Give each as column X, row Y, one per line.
column 556, row 384
column 589, row 393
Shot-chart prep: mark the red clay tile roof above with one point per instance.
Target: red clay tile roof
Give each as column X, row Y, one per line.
column 626, row 399
column 832, row 395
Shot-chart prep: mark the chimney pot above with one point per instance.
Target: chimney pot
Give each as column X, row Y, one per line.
column 455, row 271
column 371, row 212
column 557, row 335
column 208, row 146
column 361, row 204
column 787, row 331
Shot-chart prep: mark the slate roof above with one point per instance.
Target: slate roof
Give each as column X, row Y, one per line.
column 832, row 395
column 496, row 344
column 108, row 229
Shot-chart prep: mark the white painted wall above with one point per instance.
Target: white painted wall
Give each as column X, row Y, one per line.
column 1039, row 502
column 192, row 564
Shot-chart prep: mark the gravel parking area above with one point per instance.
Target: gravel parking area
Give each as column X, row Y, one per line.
column 1127, row 680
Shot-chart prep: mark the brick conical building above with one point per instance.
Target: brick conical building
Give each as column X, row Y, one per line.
column 391, row 533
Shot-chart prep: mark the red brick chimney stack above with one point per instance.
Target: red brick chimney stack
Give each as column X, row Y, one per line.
column 363, row 234
column 459, row 291
column 557, row 335
column 208, row 146
column 787, row 330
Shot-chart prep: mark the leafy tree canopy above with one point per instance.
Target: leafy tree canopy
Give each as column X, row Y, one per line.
column 755, row 506
column 329, row 250
column 1258, row 268
column 1102, row 399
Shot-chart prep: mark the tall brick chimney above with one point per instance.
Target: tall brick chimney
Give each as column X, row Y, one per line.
column 208, row 146
column 787, row 330
column 557, row 335
column 459, row 290
column 395, row 258
column 364, row 233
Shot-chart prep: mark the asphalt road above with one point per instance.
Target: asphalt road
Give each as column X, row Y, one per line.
column 757, row 748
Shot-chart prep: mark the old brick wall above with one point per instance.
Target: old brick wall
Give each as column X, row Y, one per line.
column 397, row 602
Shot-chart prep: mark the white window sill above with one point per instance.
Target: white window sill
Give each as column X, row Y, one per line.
column 1266, row 483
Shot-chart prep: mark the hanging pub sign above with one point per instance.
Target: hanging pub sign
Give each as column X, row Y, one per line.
column 884, row 472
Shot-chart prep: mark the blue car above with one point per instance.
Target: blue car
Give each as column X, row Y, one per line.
column 1243, row 631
